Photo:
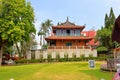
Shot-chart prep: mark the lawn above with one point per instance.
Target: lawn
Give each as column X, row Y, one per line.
column 54, row 71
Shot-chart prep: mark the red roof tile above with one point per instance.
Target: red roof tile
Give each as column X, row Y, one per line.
column 68, row 38
column 68, row 27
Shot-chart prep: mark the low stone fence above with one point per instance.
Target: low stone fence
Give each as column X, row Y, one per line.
column 61, row 53
column 68, row 47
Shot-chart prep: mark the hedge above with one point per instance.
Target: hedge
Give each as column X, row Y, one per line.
column 66, row 59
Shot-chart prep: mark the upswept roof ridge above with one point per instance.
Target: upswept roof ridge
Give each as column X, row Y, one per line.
column 67, row 23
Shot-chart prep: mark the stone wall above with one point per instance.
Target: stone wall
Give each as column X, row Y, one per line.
column 70, row 53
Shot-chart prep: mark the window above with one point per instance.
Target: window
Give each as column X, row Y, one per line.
column 68, row 44
column 71, row 32
column 68, row 32
column 77, row 32
column 58, row 32
column 64, row 32
column 52, row 43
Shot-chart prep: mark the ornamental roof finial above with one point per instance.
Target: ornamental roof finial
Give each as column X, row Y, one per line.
column 67, row 20
column 67, row 23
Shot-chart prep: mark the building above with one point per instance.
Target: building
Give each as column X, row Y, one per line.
column 91, row 33
column 66, row 40
column 116, row 30
column 67, row 35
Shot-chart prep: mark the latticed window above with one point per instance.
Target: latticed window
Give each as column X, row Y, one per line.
column 58, row 32
column 77, row 32
column 71, row 32
column 64, row 32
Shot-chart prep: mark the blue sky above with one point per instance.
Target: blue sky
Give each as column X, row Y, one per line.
column 89, row 12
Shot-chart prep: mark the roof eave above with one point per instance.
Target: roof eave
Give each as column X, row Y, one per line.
column 52, row 38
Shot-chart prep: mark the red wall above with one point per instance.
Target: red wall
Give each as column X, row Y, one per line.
column 74, row 43
column 91, row 33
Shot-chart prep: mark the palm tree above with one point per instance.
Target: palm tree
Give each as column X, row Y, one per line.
column 45, row 30
column 48, row 26
column 41, row 33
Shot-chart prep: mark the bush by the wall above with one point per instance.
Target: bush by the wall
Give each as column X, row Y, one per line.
column 49, row 58
column 65, row 57
column 24, row 61
column 57, row 57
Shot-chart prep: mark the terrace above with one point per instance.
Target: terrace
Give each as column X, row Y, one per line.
column 69, row 47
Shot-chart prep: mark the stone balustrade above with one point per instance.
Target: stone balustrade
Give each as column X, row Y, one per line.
column 85, row 51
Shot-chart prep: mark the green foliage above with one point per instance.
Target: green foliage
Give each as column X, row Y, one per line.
column 50, row 59
column 8, row 49
column 16, row 22
column 102, row 48
column 44, row 46
column 16, row 19
column 116, row 44
column 25, row 61
column 57, row 56
column 104, row 34
column 45, row 30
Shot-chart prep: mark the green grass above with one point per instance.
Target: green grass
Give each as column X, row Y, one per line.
column 54, row 71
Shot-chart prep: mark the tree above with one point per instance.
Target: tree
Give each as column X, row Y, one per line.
column 16, row 22
column 45, row 30
column 29, row 29
column 41, row 33
column 104, row 34
column 106, row 20
column 27, row 45
column 112, row 17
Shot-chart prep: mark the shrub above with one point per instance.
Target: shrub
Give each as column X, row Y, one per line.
column 99, row 49
column 66, row 57
column 62, row 60
column 57, row 57
column 49, row 58
column 24, row 61
column 82, row 58
column 21, row 61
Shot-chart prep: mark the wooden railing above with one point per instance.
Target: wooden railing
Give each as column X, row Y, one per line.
column 69, row 47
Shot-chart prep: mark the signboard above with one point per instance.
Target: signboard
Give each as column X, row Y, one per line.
column 92, row 63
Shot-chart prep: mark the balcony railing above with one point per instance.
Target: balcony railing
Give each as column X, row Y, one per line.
column 69, row 47
column 68, row 35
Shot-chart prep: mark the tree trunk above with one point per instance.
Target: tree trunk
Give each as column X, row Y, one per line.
column 18, row 50
column 40, row 40
column 22, row 49
column 43, row 40
column 1, row 52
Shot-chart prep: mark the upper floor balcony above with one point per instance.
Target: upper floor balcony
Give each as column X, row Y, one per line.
column 68, row 32
column 69, row 47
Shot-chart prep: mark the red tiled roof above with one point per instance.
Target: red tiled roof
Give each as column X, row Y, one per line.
column 68, row 27
column 91, row 33
column 68, row 38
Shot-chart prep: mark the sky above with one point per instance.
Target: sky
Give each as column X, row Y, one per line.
column 81, row 12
